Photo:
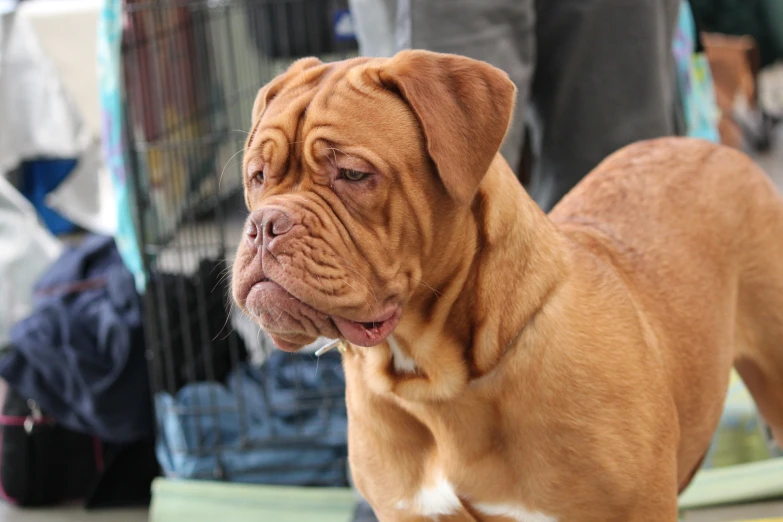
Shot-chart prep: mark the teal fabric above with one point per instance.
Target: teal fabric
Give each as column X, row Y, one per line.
column 111, row 99
column 694, row 80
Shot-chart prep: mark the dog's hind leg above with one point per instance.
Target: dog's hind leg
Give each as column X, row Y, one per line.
column 759, row 336
column 764, row 380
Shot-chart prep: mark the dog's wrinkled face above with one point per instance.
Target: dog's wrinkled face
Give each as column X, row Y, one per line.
column 355, row 174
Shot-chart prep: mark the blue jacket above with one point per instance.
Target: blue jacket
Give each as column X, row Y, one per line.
column 80, row 353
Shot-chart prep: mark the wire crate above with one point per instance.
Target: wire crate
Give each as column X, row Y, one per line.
column 228, row 407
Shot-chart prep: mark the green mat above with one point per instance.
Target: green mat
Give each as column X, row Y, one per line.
column 755, row 481
column 196, row 501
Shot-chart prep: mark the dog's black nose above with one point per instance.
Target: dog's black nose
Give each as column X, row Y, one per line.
column 265, row 225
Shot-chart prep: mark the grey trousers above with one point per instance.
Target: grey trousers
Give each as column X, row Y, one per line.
column 592, row 75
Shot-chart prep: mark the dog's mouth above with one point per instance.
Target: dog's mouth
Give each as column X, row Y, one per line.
column 279, row 311
column 369, row 333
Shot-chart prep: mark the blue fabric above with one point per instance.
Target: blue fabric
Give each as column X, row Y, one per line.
column 80, row 354
column 283, row 424
column 39, row 178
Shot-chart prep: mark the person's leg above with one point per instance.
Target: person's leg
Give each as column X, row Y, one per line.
column 605, row 78
column 500, row 32
column 375, row 22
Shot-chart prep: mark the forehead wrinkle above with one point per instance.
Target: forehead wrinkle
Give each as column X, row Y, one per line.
column 348, row 85
column 331, row 82
column 279, row 128
column 288, row 118
column 306, row 82
column 365, row 81
column 352, row 91
column 293, row 106
column 323, row 90
column 300, row 85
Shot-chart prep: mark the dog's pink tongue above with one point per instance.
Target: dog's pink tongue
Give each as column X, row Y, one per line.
column 366, row 334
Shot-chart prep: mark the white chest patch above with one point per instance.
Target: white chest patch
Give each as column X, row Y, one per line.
column 513, row 512
column 440, row 499
column 402, row 363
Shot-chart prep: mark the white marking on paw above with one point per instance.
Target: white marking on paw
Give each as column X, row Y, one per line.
column 515, row 513
column 434, row 501
column 402, row 363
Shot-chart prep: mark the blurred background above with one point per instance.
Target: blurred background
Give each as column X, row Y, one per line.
column 131, row 388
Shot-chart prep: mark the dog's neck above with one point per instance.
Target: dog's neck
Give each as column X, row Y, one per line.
column 453, row 329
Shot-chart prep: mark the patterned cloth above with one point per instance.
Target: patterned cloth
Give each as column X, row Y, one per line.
column 111, row 97
column 694, row 80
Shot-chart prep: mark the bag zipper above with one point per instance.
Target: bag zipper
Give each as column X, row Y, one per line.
column 29, row 422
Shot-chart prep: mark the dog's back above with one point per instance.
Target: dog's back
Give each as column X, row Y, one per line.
column 696, row 231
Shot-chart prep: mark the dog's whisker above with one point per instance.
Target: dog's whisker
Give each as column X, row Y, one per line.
column 332, row 161
column 277, row 319
column 366, row 282
column 335, row 150
column 220, row 179
column 364, row 296
column 226, row 323
column 434, row 291
column 221, row 279
column 228, row 334
column 216, row 267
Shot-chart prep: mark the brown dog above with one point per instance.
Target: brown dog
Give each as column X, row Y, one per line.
column 504, row 365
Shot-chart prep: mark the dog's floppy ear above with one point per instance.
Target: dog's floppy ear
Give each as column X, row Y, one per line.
column 464, row 107
column 271, row 89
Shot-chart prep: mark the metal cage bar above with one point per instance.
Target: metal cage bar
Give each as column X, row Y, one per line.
column 192, row 69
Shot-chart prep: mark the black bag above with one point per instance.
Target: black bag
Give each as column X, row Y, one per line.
column 41, row 462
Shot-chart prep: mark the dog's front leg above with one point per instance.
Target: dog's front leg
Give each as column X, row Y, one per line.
column 658, row 505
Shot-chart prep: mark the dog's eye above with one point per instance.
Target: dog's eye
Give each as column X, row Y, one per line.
column 258, row 176
column 352, row 175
